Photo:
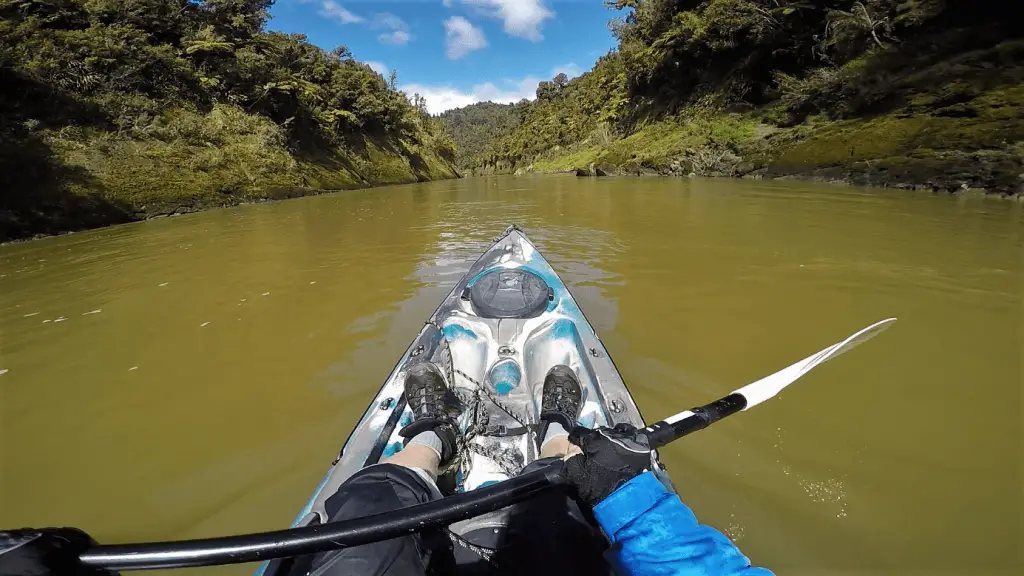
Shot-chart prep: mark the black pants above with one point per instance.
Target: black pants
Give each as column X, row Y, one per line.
column 548, row 534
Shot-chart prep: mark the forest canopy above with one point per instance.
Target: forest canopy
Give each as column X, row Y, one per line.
column 128, row 60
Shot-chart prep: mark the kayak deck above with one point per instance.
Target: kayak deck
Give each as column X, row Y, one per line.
column 507, row 322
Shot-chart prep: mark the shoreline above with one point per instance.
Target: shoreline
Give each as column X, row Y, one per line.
column 817, row 176
column 165, row 210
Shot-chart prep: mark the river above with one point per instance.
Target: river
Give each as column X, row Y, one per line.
column 194, row 376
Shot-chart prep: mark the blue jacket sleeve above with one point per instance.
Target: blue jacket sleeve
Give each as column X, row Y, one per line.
column 653, row 533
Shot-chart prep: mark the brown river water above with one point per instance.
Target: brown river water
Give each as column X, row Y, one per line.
column 195, row 376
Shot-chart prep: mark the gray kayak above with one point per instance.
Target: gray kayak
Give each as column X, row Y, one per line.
column 495, row 336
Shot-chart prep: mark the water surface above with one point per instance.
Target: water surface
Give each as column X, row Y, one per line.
column 195, row 376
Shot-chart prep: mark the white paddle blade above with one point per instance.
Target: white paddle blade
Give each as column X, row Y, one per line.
column 769, row 386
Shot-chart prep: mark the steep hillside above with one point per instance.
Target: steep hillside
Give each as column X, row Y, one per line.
column 112, row 111
column 892, row 92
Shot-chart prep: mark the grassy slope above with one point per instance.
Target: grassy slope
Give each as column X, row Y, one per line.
column 189, row 162
column 939, row 122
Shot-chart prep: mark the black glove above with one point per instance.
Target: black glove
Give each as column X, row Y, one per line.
column 45, row 552
column 611, row 457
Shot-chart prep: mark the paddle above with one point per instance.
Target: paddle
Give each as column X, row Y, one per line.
column 689, row 421
column 337, row 535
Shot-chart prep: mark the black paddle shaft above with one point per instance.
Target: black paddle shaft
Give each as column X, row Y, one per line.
column 664, row 432
column 323, row 537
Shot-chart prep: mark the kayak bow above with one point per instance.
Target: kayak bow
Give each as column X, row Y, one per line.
column 497, row 333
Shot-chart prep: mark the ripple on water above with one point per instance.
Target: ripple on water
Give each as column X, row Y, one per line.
column 830, row 491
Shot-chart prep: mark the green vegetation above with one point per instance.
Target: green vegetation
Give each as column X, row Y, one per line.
column 113, row 110
column 474, row 127
column 893, row 92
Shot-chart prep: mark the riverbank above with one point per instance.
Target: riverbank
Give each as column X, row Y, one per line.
column 934, row 101
column 75, row 179
column 948, row 125
column 181, row 106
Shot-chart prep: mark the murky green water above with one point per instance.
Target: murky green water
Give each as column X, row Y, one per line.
column 195, row 376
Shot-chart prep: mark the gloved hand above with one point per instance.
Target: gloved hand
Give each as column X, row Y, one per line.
column 610, row 458
column 45, row 552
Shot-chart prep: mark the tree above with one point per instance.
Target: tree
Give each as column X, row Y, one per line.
column 340, row 53
column 546, row 90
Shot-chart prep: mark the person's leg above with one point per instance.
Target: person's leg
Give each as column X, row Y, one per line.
column 550, row 533
column 374, row 490
column 404, row 479
column 418, row 455
column 556, row 443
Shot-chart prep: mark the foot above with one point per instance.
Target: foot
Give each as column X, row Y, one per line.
column 434, row 407
column 562, row 398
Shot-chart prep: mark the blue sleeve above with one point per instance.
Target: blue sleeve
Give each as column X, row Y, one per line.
column 652, row 533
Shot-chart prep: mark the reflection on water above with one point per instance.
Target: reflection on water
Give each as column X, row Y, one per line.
column 194, row 376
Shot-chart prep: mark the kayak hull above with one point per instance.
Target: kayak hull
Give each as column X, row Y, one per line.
column 507, row 322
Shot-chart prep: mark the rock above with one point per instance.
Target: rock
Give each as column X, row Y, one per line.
column 693, row 175
column 583, row 172
column 633, row 168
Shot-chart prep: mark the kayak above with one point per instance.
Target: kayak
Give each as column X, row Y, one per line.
column 495, row 336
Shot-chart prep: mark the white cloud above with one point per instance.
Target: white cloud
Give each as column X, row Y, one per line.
column 397, row 38
column 335, row 11
column 461, row 37
column 397, row 30
column 389, row 20
column 398, row 34
column 378, row 67
column 522, row 18
column 441, row 98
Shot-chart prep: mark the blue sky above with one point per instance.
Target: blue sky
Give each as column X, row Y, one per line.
column 456, row 52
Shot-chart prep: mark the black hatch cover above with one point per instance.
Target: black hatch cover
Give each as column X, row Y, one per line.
column 511, row 293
